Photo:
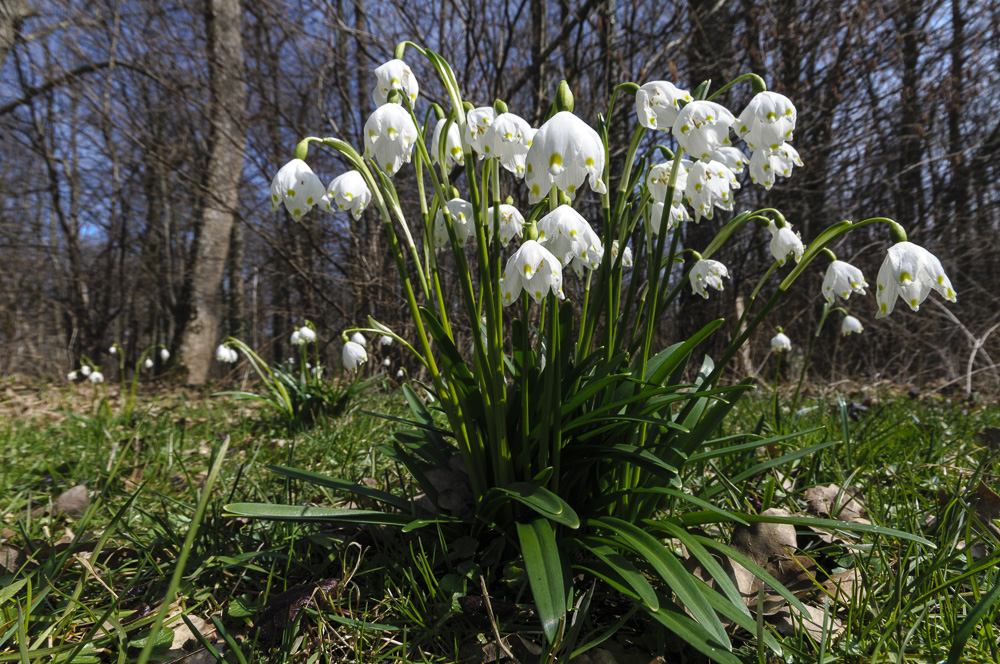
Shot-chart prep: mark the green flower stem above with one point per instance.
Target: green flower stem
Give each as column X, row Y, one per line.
column 758, row 85
column 526, row 363
column 812, row 344
column 355, row 159
column 656, row 269
column 491, row 355
column 813, row 250
column 352, row 156
column 728, row 230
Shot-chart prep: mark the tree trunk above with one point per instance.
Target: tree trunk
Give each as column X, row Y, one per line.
column 226, row 110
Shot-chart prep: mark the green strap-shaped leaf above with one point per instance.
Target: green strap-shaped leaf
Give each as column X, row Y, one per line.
column 300, row 513
column 666, row 565
column 343, row 485
column 970, row 623
column 695, row 635
column 538, row 498
column 619, row 572
column 543, row 564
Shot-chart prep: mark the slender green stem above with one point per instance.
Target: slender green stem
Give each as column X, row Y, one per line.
column 758, row 84
column 812, row 344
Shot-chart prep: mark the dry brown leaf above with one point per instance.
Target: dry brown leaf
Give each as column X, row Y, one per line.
column 183, row 633
column 987, row 506
column 835, row 503
column 844, row 586
column 788, row 620
column 772, row 546
column 12, row 558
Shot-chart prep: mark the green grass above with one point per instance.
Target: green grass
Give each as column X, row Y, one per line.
column 90, row 586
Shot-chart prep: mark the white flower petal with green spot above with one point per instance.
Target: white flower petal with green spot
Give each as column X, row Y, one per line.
column 657, row 104
column 570, row 238
column 477, row 122
column 348, row 192
column 353, row 356
column 707, row 273
column 564, row 152
column 533, row 269
column 785, row 241
column 767, row 121
column 509, row 138
column 910, row 272
column 709, row 185
column 389, row 137
column 394, row 75
column 461, row 220
column 297, row 187
column 511, row 222
column 851, row 325
column 841, row 280
column 658, row 180
column 780, row 342
column 702, row 127
column 452, row 148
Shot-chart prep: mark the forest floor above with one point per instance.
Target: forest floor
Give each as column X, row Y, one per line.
column 99, row 510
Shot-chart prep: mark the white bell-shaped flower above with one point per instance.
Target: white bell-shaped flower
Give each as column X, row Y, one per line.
column 148, row 363
column 385, row 340
column 113, row 350
column 626, row 257
column 784, row 241
column 564, row 152
column 303, row 336
column 461, row 221
column 677, row 214
column 766, row 164
column 226, row 354
column 533, row 269
column 511, row 223
column 509, row 138
column 96, row 377
column 658, row 180
column 657, row 104
column 164, row 354
column 85, row 369
column 851, row 325
column 707, row 273
column 842, row 279
column 452, row 147
column 709, row 185
column 394, row 75
column 780, row 342
column 733, row 158
column 400, row 374
column 477, row 123
column 570, row 238
column 767, row 121
column 702, row 127
column 359, row 339
column 353, row 356
column 389, row 137
column 297, row 187
column 348, row 191
column 72, row 376
column 910, row 272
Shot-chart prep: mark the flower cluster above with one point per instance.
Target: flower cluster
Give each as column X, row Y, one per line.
column 557, row 158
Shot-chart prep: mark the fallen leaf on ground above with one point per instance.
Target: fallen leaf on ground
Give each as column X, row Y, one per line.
column 788, row 620
column 835, row 503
